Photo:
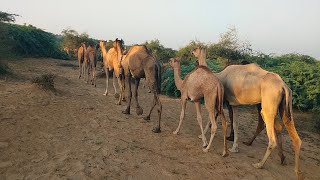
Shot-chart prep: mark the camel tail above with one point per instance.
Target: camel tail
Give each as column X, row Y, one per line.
column 288, row 102
column 220, row 94
column 158, row 76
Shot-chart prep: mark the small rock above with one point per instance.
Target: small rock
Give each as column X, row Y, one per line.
column 4, row 144
column 5, row 164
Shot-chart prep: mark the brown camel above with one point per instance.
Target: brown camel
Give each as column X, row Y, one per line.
column 111, row 62
column 250, row 84
column 140, row 63
column 81, row 53
column 90, row 61
column 201, row 82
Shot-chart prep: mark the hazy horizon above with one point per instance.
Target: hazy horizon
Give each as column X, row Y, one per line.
column 271, row 26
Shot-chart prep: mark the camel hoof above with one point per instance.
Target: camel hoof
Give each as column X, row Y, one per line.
column 175, row 132
column 299, row 175
column 139, row 111
column 247, row 143
column 124, row 99
column 156, row 130
column 225, row 154
column 205, row 150
column 257, row 165
column 205, row 145
column 147, row 118
column 116, row 95
column 230, row 138
column 127, row 111
column 200, row 136
column 234, row 150
column 149, row 91
column 118, row 103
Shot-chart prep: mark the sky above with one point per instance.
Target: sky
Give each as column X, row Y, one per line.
column 271, row 26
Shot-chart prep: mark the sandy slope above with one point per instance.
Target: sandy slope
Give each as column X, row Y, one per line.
column 77, row 133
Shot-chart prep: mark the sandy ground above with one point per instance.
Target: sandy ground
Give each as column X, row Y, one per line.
column 77, row 133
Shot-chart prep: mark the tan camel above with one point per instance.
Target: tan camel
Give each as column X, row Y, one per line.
column 81, row 52
column 201, row 82
column 140, row 63
column 250, row 84
column 90, row 61
column 111, row 62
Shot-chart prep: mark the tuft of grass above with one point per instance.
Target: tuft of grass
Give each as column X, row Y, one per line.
column 4, row 69
column 45, row 81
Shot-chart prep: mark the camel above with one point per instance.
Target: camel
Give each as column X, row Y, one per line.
column 250, row 84
column 90, row 61
column 140, row 63
column 201, row 82
column 81, row 52
column 111, row 62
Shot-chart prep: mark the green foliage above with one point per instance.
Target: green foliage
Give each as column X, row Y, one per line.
column 185, row 52
column 71, row 39
column 162, row 54
column 7, row 17
column 168, row 85
column 28, row 41
column 304, row 80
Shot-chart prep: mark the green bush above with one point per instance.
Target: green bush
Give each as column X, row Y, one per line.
column 28, row 41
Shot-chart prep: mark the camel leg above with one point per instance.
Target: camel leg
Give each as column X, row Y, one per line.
column 116, row 94
column 210, row 104
column 268, row 115
column 296, row 141
column 231, row 136
column 207, row 127
column 80, row 69
column 199, row 119
column 139, row 110
column 224, row 127
column 183, row 108
column 235, row 147
column 107, row 81
column 121, row 91
column 260, row 127
column 157, row 99
column 278, row 130
column 94, row 76
column 153, row 105
column 127, row 110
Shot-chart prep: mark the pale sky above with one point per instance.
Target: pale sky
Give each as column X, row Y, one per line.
column 271, row 26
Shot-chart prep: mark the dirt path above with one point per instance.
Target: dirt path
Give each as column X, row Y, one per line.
column 78, row 133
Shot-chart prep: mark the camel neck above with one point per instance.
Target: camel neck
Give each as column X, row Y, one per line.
column 177, row 77
column 202, row 58
column 103, row 49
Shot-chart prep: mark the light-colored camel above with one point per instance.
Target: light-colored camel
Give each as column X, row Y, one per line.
column 90, row 61
column 81, row 52
column 250, row 84
column 201, row 82
column 140, row 63
column 111, row 62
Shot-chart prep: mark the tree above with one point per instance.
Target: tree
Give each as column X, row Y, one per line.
column 162, row 54
column 7, row 17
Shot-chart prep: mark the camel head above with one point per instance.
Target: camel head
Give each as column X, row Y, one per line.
column 118, row 44
column 197, row 52
column 174, row 62
column 102, row 43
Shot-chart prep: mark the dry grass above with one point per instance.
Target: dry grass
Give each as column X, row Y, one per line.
column 45, row 81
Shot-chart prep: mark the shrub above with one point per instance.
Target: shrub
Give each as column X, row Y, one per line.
column 45, row 81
